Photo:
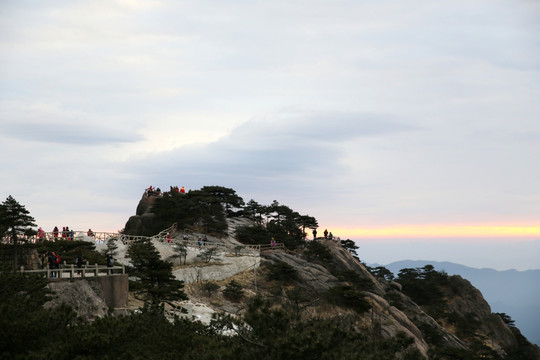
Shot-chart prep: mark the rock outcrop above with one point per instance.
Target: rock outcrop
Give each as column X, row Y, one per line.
column 143, row 218
column 394, row 312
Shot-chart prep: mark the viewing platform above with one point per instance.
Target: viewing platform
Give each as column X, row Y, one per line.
column 67, row 272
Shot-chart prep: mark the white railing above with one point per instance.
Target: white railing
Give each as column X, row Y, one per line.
column 102, row 237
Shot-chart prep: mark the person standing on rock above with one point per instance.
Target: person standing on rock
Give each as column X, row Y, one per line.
column 325, row 233
column 314, row 234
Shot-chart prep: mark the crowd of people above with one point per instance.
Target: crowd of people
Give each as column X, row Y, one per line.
column 152, row 191
column 66, row 233
column 53, row 261
column 202, row 241
column 327, row 235
column 175, row 189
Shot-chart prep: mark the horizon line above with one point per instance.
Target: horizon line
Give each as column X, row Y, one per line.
column 439, row 232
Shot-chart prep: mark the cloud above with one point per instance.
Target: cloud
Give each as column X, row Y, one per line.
column 284, row 142
column 288, row 156
column 73, row 134
column 321, row 127
column 50, row 123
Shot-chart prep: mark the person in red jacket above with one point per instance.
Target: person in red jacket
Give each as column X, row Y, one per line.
column 182, row 190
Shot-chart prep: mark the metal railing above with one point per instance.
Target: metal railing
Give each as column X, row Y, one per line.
column 257, row 248
column 102, row 237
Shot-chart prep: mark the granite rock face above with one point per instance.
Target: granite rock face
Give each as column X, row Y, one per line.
column 462, row 299
column 143, row 218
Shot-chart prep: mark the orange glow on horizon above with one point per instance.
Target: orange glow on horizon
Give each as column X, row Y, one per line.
column 439, row 231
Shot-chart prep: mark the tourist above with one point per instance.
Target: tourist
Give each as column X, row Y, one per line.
column 80, row 261
column 44, row 260
column 40, row 233
column 52, row 259
column 110, row 260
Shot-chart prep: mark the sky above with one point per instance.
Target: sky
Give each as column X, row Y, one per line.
column 411, row 127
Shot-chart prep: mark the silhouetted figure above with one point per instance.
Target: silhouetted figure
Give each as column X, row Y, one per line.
column 80, row 262
column 110, row 260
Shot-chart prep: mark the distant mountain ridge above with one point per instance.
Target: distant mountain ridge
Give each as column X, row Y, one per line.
column 516, row 293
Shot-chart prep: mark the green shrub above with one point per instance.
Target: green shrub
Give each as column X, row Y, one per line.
column 348, row 296
column 315, row 251
column 256, row 235
column 233, row 291
column 210, row 287
column 281, row 271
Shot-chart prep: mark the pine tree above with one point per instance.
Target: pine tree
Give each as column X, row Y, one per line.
column 155, row 281
column 112, row 247
column 15, row 221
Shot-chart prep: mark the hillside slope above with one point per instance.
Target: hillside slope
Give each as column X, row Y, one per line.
column 516, row 293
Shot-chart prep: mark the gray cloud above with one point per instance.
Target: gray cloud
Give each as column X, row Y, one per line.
column 74, row 134
column 283, row 143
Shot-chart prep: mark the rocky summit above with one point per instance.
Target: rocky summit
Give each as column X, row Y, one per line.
column 246, row 284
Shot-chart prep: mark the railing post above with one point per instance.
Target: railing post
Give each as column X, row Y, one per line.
column 97, row 270
column 72, row 274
